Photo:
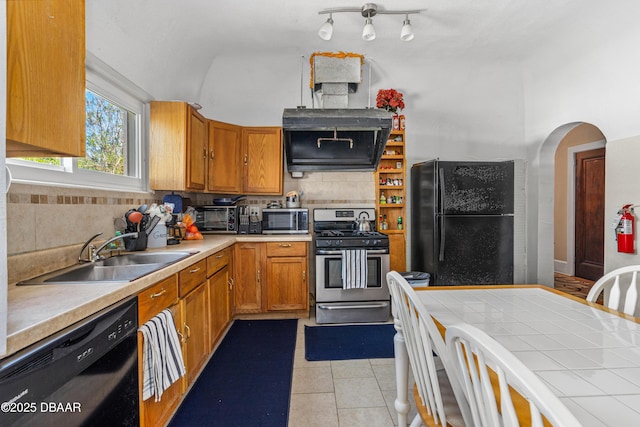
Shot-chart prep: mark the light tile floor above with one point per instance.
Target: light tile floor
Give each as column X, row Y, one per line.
column 342, row 393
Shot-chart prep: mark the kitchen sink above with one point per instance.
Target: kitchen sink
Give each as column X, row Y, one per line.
column 141, row 258
column 118, row 269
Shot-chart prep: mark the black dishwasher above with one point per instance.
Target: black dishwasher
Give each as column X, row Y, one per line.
column 84, row 375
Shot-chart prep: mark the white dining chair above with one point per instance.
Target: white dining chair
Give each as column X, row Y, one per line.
column 620, row 288
column 437, row 397
column 467, row 343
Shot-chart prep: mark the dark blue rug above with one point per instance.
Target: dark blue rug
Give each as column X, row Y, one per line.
column 247, row 381
column 349, row 342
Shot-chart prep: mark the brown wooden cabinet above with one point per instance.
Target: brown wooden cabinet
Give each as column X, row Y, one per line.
column 219, row 267
column 286, row 286
column 45, row 78
column 271, row 277
column 195, row 321
column 225, row 158
column 391, row 197
column 152, row 301
column 262, row 160
column 178, row 147
column 247, row 274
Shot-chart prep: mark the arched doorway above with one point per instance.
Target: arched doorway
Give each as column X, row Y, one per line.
column 569, row 149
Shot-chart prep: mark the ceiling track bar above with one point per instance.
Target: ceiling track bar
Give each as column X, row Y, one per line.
column 335, row 139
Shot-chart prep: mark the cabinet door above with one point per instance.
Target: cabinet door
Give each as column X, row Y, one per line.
column 197, row 151
column 262, row 160
column 286, row 285
column 247, row 277
column 196, row 332
column 154, row 413
column 225, row 164
column 218, row 305
column 397, row 255
column 45, row 78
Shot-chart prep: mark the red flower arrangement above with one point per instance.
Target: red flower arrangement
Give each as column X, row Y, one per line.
column 390, row 100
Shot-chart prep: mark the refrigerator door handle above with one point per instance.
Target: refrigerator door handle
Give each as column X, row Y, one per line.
column 441, row 188
column 441, row 218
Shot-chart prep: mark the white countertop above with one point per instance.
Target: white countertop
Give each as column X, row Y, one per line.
column 35, row 312
column 588, row 356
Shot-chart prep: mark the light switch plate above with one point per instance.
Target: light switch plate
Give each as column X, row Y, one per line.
column 254, row 210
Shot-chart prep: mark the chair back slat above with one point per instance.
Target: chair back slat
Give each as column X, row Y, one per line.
column 620, row 288
column 475, row 354
column 417, row 328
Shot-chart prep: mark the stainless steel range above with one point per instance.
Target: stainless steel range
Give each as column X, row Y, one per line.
column 335, row 235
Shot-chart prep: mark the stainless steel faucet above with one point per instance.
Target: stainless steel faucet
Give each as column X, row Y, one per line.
column 94, row 254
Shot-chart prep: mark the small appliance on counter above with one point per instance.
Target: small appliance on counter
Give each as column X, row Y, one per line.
column 248, row 223
column 212, row 219
column 293, row 199
column 285, row 221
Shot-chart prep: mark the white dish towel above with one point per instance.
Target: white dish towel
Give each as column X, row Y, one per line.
column 162, row 362
column 354, row 268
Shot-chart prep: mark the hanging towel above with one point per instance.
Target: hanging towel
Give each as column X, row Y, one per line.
column 162, row 362
column 354, row 268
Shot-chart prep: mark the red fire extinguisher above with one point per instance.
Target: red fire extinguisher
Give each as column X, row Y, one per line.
column 625, row 232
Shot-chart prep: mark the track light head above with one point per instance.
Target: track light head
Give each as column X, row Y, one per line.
column 326, row 31
column 369, row 32
column 406, row 34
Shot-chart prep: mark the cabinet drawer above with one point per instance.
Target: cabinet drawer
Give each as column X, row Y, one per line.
column 153, row 300
column 286, row 249
column 218, row 260
column 192, row 276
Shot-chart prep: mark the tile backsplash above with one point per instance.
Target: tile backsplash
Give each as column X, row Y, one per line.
column 46, row 225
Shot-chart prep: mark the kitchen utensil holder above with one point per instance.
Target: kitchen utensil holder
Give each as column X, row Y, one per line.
column 136, row 244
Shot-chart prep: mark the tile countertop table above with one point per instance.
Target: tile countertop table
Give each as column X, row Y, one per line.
column 587, row 354
column 35, row 312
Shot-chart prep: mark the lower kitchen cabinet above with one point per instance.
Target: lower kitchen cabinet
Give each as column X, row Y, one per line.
column 152, row 301
column 286, row 286
column 397, row 252
column 271, row 277
column 247, row 274
column 195, row 321
column 219, row 267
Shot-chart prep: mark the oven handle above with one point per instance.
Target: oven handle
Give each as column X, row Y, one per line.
column 349, row 307
column 330, row 252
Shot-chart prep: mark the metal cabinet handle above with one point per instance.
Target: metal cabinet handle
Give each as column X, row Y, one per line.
column 211, row 154
column 258, row 275
column 188, row 329
column 218, row 256
column 304, row 275
column 246, row 159
column 205, row 152
column 195, row 270
column 182, row 339
column 285, row 245
column 230, row 282
column 158, row 294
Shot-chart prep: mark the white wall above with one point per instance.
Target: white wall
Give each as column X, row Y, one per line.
column 590, row 80
column 622, row 187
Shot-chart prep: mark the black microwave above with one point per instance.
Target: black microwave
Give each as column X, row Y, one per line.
column 285, row 221
column 217, row 219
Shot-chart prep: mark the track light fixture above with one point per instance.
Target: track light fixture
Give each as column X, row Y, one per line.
column 368, row 11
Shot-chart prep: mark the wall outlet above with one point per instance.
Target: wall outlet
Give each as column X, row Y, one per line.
column 254, row 210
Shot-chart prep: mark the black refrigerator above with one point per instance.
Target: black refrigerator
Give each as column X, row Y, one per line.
column 462, row 221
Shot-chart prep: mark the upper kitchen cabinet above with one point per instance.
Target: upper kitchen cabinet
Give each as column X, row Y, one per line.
column 45, row 78
column 225, row 151
column 262, row 160
column 177, row 146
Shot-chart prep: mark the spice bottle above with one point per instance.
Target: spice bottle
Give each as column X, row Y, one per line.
column 402, row 122
column 399, row 223
column 385, row 224
column 383, row 199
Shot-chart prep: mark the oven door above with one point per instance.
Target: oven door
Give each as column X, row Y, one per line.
column 329, row 287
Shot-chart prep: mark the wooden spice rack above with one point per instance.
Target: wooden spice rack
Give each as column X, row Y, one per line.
column 391, row 180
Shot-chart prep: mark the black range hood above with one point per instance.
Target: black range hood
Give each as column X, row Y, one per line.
column 337, row 139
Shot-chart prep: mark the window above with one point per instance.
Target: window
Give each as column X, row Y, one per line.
column 116, row 143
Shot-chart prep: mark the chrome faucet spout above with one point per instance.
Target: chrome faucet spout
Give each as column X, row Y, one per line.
column 88, row 258
column 95, row 255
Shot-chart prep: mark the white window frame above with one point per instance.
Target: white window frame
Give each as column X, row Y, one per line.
column 108, row 83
